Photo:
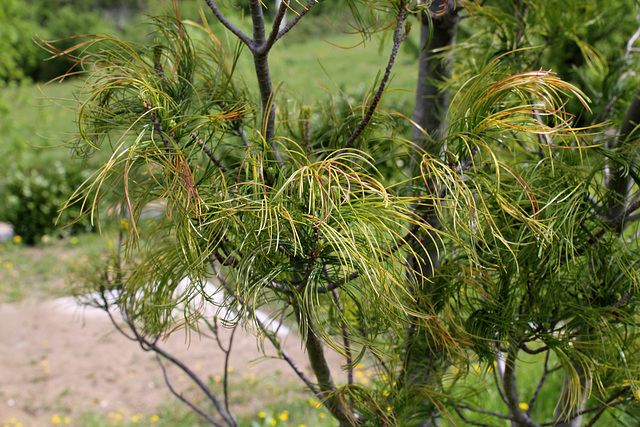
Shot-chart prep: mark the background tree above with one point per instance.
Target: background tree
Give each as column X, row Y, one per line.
column 499, row 229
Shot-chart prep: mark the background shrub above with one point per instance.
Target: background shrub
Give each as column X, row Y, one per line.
column 33, row 200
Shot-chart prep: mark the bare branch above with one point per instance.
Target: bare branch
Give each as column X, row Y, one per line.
column 400, row 36
column 269, row 335
column 345, row 337
column 295, row 20
column 521, row 417
column 482, row 411
column 193, row 407
column 543, row 378
column 273, row 36
column 224, row 21
column 208, row 151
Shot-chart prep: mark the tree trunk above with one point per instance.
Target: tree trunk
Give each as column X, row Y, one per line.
column 436, row 34
column 422, row 362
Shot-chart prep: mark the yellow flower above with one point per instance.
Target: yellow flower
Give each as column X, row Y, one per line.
column 154, row 419
column 74, row 240
column 261, row 414
column 17, row 238
column 284, row 416
column 273, row 422
column 313, row 402
column 56, row 419
column 322, row 415
column 67, row 420
column 524, row 406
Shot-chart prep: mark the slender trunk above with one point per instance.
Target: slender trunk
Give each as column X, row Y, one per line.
column 520, row 418
column 436, row 34
column 315, row 353
column 422, row 360
column 619, row 181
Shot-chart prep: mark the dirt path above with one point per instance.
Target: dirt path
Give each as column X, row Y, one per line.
column 58, row 360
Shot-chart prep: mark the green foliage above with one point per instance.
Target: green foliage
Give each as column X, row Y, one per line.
column 34, row 198
column 491, row 245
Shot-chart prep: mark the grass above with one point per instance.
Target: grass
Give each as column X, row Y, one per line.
column 40, row 272
column 255, row 399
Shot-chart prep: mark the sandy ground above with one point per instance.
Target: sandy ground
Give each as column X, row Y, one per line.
column 57, row 359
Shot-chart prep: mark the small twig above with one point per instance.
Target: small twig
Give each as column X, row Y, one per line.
column 224, row 21
column 523, row 346
column 499, row 386
column 398, row 39
column 630, row 43
column 546, row 372
column 345, row 337
column 225, row 383
column 194, row 407
column 482, row 411
column 602, row 409
column 273, row 36
column 466, row 420
column 147, row 345
column 295, row 20
column 281, row 351
column 208, row 151
column 607, row 404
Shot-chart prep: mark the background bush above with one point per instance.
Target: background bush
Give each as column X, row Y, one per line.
column 33, row 200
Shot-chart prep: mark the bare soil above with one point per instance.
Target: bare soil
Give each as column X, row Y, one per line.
column 57, row 359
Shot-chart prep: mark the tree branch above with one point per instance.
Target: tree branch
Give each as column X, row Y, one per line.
column 193, row 407
column 511, row 391
column 619, row 180
column 224, row 21
column 398, row 39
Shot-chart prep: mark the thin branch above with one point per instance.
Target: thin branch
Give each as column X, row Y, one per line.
column 345, row 337
column 224, row 21
column 467, row 421
column 482, row 411
column 601, row 411
column 295, row 20
column 607, row 404
column 225, row 383
column 521, row 417
column 273, row 36
column 523, row 346
column 630, row 43
column 208, row 151
column 152, row 346
column 499, row 386
column 400, row 36
column 543, row 379
column 193, row 407
column 282, row 353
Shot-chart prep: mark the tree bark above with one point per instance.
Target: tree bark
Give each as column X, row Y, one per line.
column 619, row 181
column 436, row 34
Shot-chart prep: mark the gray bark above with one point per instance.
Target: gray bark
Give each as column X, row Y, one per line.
column 433, row 69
